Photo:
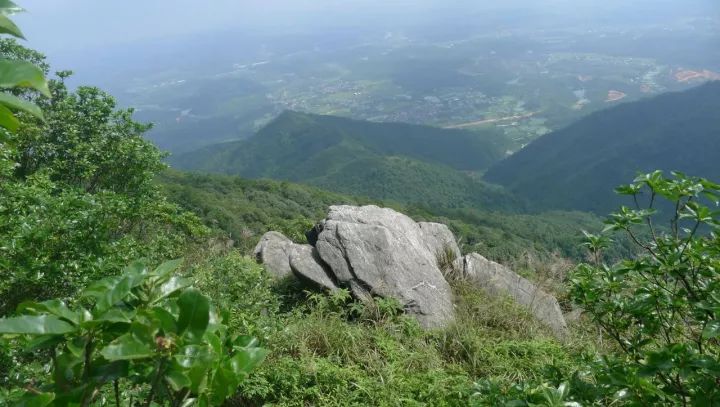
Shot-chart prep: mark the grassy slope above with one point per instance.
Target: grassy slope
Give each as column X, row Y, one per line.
column 407, row 163
column 331, row 351
column 577, row 166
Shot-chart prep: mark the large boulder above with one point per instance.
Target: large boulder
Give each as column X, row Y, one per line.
column 378, row 251
column 439, row 239
column 497, row 280
column 273, row 251
column 306, row 264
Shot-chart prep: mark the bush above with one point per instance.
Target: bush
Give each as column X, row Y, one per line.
column 662, row 308
column 148, row 334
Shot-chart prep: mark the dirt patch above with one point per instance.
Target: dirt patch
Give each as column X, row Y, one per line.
column 686, row 75
column 615, row 95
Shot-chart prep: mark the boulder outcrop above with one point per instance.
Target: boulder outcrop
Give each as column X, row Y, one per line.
column 498, row 280
column 376, row 251
column 273, row 252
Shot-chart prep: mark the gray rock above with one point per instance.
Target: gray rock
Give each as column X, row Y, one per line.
column 377, row 251
column 305, row 262
column 273, row 251
column 441, row 242
column 496, row 279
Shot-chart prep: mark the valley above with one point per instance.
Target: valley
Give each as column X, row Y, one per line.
column 544, row 78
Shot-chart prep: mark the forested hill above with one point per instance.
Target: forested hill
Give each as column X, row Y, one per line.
column 576, row 167
column 401, row 162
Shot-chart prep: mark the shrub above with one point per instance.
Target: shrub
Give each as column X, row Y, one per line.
column 662, row 308
column 147, row 335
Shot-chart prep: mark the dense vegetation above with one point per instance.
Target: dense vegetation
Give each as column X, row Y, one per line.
column 245, row 209
column 575, row 167
column 401, row 162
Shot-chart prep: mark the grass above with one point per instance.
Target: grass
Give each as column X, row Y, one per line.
column 327, row 349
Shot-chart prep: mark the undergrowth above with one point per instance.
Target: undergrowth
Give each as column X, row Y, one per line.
column 327, row 349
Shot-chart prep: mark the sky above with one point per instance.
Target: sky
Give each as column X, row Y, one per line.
column 55, row 25
column 91, row 35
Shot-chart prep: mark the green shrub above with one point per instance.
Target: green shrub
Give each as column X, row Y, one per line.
column 662, row 308
column 148, row 335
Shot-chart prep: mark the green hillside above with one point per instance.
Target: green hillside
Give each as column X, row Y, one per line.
column 402, row 162
column 576, row 166
column 244, row 209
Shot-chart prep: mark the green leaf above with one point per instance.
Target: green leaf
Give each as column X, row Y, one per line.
column 712, row 330
column 35, row 325
column 194, row 312
column 165, row 269
column 22, row 74
column 116, row 315
column 104, row 372
column 113, row 295
column 36, row 400
column 8, row 119
column 246, row 360
column 9, row 7
column 170, row 287
column 16, row 103
column 55, row 307
column 43, row 342
column 8, row 27
column 166, row 320
column 177, row 379
column 126, row 347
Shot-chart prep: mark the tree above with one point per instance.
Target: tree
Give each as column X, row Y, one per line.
column 78, row 198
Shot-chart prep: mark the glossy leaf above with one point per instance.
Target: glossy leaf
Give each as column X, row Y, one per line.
column 55, row 307
column 19, row 104
column 177, row 378
column 35, row 325
column 712, row 330
column 194, row 313
column 22, row 74
column 167, row 268
column 9, row 7
column 126, row 347
column 8, row 119
column 8, row 27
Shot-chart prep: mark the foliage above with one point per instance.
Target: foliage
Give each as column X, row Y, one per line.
column 662, row 307
column 573, row 168
column 400, row 162
column 80, row 200
column 245, row 209
column 15, row 75
column 328, row 349
column 148, row 333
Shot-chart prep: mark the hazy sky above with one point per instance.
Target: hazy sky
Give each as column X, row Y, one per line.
column 53, row 25
column 86, row 34
column 58, row 24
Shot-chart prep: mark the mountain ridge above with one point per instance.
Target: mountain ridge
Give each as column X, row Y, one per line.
column 573, row 168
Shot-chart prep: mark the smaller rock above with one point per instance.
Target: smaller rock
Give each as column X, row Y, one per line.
column 306, row 264
column 497, row 279
column 273, row 252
